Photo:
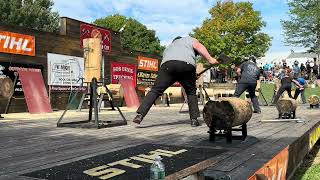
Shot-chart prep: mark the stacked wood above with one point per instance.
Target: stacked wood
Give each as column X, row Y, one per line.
column 286, row 105
column 227, row 112
column 6, row 87
column 314, row 100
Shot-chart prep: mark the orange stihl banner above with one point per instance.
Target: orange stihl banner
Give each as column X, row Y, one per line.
column 15, row 43
column 148, row 64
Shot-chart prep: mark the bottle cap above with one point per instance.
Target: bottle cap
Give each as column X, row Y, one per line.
column 158, row 158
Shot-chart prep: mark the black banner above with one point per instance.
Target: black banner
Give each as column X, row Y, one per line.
column 146, row 78
column 7, row 69
column 130, row 163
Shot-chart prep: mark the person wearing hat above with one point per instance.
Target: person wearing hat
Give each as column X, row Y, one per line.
column 178, row 64
column 249, row 74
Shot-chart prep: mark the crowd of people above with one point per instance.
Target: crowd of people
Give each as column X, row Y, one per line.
column 308, row 71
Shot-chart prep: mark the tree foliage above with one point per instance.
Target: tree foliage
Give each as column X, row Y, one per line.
column 35, row 14
column 135, row 35
column 235, row 29
column 303, row 26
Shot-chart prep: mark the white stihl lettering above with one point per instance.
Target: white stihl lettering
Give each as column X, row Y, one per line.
column 25, row 44
column 6, row 44
column 15, row 43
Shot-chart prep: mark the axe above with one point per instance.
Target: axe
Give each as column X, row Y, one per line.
column 222, row 58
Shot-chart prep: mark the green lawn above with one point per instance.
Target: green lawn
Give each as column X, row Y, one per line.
column 268, row 90
column 308, row 173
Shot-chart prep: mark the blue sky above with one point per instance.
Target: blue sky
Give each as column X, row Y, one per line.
column 171, row 18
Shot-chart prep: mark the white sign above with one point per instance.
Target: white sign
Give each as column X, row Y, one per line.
column 65, row 70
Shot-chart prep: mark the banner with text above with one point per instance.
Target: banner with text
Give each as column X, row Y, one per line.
column 8, row 69
column 148, row 64
column 64, row 71
column 146, row 78
column 15, row 43
column 124, row 71
column 89, row 31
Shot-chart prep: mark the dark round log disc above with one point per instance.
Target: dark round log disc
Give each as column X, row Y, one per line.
column 314, row 100
column 227, row 112
column 286, row 105
column 6, row 87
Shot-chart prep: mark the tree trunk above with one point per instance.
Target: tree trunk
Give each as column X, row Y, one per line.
column 227, row 112
column 286, row 105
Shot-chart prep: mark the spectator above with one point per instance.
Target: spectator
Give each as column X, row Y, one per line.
column 315, row 68
column 309, row 68
column 302, row 67
column 296, row 69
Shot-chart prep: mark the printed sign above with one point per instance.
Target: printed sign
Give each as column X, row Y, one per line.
column 65, row 70
column 131, row 163
column 313, row 137
column 15, row 43
column 148, row 64
column 146, row 78
column 123, row 71
column 276, row 168
column 8, row 69
column 89, row 31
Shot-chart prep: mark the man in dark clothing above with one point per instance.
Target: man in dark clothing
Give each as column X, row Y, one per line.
column 302, row 67
column 178, row 64
column 286, row 82
column 249, row 73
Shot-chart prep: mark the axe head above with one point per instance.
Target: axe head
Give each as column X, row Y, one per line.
column 224, row 59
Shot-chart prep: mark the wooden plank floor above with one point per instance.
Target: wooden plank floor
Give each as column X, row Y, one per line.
column 33, row 142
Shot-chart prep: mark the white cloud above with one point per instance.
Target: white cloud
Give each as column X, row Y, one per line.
column 171, row 18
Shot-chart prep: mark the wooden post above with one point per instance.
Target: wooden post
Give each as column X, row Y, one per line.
column 92, row 59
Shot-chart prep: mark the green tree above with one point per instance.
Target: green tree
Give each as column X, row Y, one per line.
column 35, row 14
column 303, row 26
column 234, row 29
column 135, row 35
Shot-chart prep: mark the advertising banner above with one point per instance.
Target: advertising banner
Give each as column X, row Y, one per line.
column 89, row 31
column 8, row 69
column 15, row 43
column 146, row 78
column 65, row 70
column 276, row 168
column 148, row 64
column 123, row 71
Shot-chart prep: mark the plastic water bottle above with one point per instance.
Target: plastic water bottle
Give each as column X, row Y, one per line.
column 157, row 169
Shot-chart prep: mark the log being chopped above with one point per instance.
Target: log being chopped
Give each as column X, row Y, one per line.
column 287, row 108
column 226, row 113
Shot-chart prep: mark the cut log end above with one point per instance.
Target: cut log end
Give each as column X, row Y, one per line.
column 314, row 100
column 227, row 112
column 286, row 105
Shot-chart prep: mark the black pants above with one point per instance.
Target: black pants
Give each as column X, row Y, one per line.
column 169, row 73
column 296, row 94
column 281, row 90
column 251, row 87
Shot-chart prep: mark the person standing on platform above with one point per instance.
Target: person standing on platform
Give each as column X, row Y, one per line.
column 178, row 64
column 249, row 74
column 286, row 82
column 298, row 91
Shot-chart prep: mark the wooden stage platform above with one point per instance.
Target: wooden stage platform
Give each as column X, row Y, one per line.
column 33, row 142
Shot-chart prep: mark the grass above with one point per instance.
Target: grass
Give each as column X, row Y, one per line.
column 310, row 168
column 268, row 90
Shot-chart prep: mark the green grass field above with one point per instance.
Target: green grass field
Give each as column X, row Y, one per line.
column 268, row 90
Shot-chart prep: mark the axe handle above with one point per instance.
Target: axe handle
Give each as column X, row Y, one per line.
column 206, row 69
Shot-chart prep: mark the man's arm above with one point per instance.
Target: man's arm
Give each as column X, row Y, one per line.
column 203, row 51
column 297, row 83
